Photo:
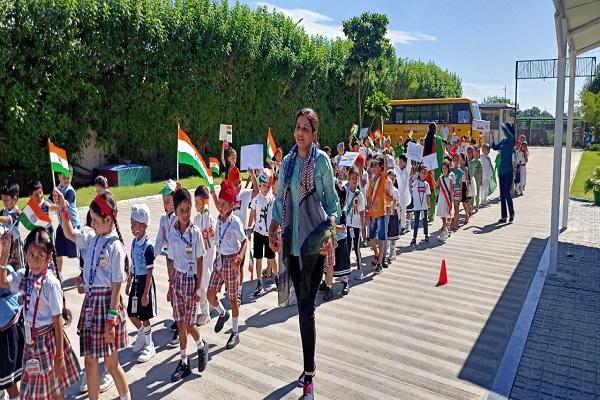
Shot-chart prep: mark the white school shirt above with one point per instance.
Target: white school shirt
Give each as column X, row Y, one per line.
column 51, row 299
column 162, row 237
column 486, row 163
column 178, row 247
column 353, row 216
column 263, row 205
column 403, row 181
column 241, row 206
column 421, row 192
column 229, row 235
column 105, row 254
column 521, row 161
column 204, row 222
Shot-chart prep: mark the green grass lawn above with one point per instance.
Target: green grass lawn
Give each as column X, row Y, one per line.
column 589, row 159
column 87, row 193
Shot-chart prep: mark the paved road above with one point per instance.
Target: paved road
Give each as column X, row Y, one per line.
column 396, row 336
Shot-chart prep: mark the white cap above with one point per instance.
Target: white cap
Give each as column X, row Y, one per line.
column 264, row 176
column 140, row 213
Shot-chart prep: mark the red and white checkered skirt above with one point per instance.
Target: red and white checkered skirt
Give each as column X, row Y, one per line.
column 45, row 385
column 184, row 306
column 228, row 274
column 92, row 341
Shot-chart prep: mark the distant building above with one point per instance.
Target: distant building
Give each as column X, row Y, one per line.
column 497, row 114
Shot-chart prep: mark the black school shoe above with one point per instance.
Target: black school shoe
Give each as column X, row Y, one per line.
column 203, row 357
column 328, row 294
column 259, row 290
column 181, row 372
column 233, row 341
column 512, row 218
column 502, row 221
column 221, row 321
column 323, row 287
column 346, row 289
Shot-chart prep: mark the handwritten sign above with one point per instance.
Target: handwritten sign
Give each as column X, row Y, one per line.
column 431, row 162
column 414, row 151
column 226, row 133
column 251, row 157
column 481, row 126
column 348, row 159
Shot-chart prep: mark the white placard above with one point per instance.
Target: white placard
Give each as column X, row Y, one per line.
column 431, row 162
column 414, row 151
column 481, row 125
column 363, row 152
column 364, row 132
column 252, row 157
column 348, row 159
column 226, row 133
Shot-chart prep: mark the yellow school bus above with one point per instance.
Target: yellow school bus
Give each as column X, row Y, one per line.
column 416, row 114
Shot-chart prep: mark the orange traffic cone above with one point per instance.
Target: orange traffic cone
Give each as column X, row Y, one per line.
column 443, row 279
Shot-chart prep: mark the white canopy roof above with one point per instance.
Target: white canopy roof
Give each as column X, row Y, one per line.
column 583, row 23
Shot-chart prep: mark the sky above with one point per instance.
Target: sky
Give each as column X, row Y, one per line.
column 479, row 40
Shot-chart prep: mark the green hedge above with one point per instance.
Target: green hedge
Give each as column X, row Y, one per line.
column 132, row 69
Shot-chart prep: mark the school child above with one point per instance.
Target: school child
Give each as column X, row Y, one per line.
column 50, row 363
column 393, row 230
column 103, row 322
column 275, row 163
column 186, row 251
column 403, row 173
column 11, row 334
column 141, row 306
column 9, row 219
column 355, row 213
column 379, row 187
column 421, row 194
column 445, row 185
column 101, row 184
column 341, row 267
column 64, row 246
column 261, row 208
column 228, row 158
column 522, row 160
column 206, row 223
column 466, row 187
column 161, row 244
column 457, row 189
column 487, row 171
column 36, row 192
column 230, row 247
column 475, row 170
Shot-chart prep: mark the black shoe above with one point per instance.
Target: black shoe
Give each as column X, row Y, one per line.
column 426, row 239
column 175, row 341
column 173, row 326
column 386, row 263
column 346, row 289
column 221, row 321
column 323, row 287
column 277, row 282
column 181, row 372
column 233, row 341
column 413, row 242
column 502, row 221
column 328, row 294
column 377, row 269
column 512, row 218
column 203, row 357
column 259, row 290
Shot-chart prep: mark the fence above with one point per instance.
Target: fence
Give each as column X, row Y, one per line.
column 540, row 131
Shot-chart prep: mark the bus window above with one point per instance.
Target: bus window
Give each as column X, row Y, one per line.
column 475, row 110
column 461, row 114
column 445, row 111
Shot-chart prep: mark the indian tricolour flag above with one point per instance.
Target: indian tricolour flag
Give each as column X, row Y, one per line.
column 33, row 216
column 187, row 154
column 58, row 159
column 214, row 165
column 271, row 147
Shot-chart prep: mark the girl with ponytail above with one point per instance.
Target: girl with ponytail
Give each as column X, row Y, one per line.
column 50, row 365
column 103, row 322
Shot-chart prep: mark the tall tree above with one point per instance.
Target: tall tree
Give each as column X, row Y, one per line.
column 497, row 99
column 369, row 44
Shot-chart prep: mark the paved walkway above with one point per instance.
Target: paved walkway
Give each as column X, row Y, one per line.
column 396, row 336
column 562, row 354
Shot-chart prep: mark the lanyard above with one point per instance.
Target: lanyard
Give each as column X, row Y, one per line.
column 94, row 269
column 133, row 254
column 28, row 294
column 187, row 243
column 221, row 236
column 421, row 189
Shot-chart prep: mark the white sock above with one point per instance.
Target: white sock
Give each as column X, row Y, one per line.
column 141, row 330
column 234, row 323
column 183, row 356
column 148, row 335
column 200, row 344
column 126, row 397
column 220, row 309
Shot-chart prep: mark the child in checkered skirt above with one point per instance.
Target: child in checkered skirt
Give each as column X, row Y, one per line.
column 230, row 242
column 50, row 363
column 187, row 251
column 102, row 325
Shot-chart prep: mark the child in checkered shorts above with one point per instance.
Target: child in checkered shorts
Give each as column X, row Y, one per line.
column 50, row 363
column 102, row 325
column 186, row 250
column 230, row 241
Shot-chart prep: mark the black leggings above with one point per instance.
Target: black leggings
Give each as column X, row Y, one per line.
column 353, row 243
column 306, row 294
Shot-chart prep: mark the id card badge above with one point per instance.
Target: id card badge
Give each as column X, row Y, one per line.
column 190, row 272
column 134, row 305
column 189, row 252
column 218, row 262
column 33, row 367
column 89, row 315
column 28, row 339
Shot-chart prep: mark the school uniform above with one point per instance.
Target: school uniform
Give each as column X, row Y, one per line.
column 205, row 221
column 404, row 196
column 458, row 174
column 421, row 192
column 12, row 338
column 161, row 244
column 341, row 266
column 16, row 257
column 43, row 299
column 104, row 264
column 263, row 206
column 444, row 201
column 355, row 204
column 142, row 261
column 65, row 247
column 522, row 166
column 229, row 236
column 393, row 222
column 185, row 249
